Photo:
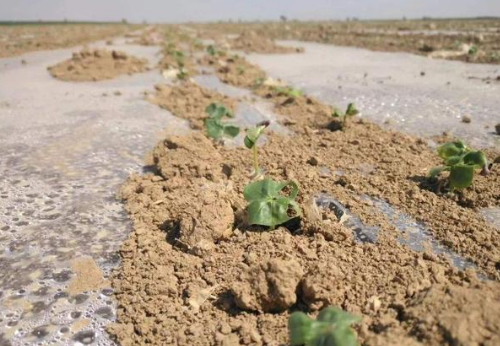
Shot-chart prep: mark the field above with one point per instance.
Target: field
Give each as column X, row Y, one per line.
column 213, row 184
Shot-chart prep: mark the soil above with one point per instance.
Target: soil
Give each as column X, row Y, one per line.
column 194, row 273
column 234, row 70
column 188, row 100
column 443, row 39
column 96, row 65
column 19, row 39
column 253, row 42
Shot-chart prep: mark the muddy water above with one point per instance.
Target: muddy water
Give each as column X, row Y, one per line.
column 65, row 148
column 411, row 93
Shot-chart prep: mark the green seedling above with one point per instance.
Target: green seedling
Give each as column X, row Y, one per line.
column 251, row 138
column 473, row 50
column 211, row 50
column 240, row 69
column 182, row 74
column 332, row 327
column 216, row 128
column 268, row 206
column 461, row 161
column 288, row 92
column 342, row 117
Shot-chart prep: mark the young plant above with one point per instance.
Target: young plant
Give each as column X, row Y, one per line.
column 217, row 129
column 251, row 138
column 211, row 50
column 268, row 206
column 342, row 117
column 288, row 92
column 461, row 161
column 332, row 327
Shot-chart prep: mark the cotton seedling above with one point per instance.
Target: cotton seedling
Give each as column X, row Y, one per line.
column 342, row 117
column 462, row 162
column 268, row 206
column 288, row 92
column 211, row 50
column 252, row 136
column 332, row 327
column 216, row 128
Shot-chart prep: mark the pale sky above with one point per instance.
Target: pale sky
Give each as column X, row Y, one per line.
column 210, row 10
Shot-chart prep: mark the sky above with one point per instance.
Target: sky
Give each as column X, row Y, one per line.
column 174, row 11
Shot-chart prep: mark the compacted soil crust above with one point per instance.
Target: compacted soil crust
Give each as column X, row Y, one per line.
column 195, row 273
column 97, row 64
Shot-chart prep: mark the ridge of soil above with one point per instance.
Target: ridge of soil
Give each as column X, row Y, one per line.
column 188, row 100
column 252, row 42
column 193, row 272
column 97, row 64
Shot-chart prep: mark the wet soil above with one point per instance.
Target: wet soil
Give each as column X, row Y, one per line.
column 194, row 272
column 97, row 64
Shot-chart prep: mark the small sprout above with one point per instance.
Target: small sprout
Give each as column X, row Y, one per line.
column 240, row 69
column 289, row 92
column 472, row 50
column 182, row 74
column 332, row 327
column 251, row 138
column 461, row 161
column 211, row 50
column 267, row 205
column 342, row 117
column 217, row 129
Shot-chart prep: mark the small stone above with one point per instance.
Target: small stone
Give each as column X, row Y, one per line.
column 313, row 161
column 497, row 128
column 466, row 119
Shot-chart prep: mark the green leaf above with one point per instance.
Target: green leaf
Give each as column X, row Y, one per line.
column 435, row 171
column 299, row 328
column 456, row 148
column 267, row 207
column 216, row 129
column 331, row 328
column 231, row 130
column 461, row 176
column 217, row 110
column 211, row 50
column 253, row 135
column 337, row 113
column 476, row 159
column 453, row 160
column 336, row 315
column 351, row 110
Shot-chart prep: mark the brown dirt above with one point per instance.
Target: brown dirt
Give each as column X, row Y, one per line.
column 234, row 70
column 88, row 276
column 441, row 39
column 188, row 100
column 253, row 42
column 194, row 274
column 97, row 64
column 19, row 39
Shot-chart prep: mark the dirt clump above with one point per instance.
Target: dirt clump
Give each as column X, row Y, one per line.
column 97, row 64
column 188, row 100
column 253, row 42
column 268, row 286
